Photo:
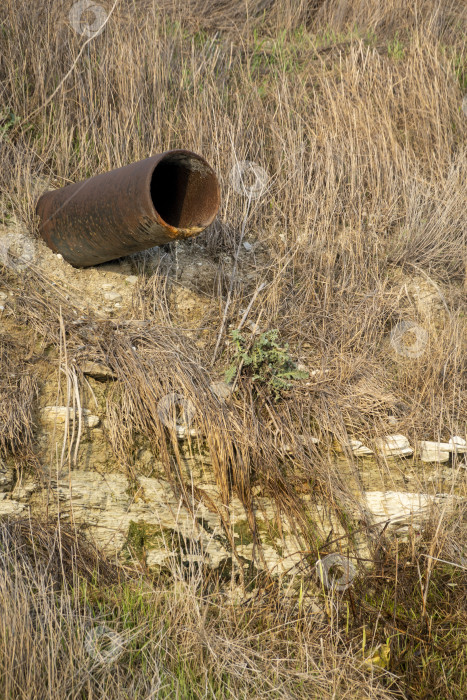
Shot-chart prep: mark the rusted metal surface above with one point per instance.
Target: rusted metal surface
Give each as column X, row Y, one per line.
column 167, row 197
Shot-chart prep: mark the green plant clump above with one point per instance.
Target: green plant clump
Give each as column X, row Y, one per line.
column 265, row 361
column 7, row 121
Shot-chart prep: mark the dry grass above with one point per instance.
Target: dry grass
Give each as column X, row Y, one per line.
column 354, row 111
column 63, row 634
column 74, row 625
column 18, row 393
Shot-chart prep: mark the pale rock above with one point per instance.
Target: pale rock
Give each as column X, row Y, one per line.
column 443, row 446
column 97, row 370
column 132, row 279
column 212, row 491
column 434, row 456
column 245, row 550
column 404, row 508
column 8, row 507
column 59, row 414
column 394, row 446
column 24, row 490
column 113, row 296
column 275, row 563
column 221, row 389
column 358, row 448
column 156, row 558
column 216, row 552
column 6, row 479
column 458, row 444
column 434, row 451
column 146, row 458
column 107, row 503
column 106, row 287
column 280, row 564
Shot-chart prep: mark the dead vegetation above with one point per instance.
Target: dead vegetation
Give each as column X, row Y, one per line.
column 75, row 625
column 18, row 394
column 354, row 112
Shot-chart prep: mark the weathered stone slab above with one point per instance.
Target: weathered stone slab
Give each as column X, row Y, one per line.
column 60, row 414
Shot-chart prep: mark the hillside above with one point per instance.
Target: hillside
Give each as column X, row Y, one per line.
column 187, row 432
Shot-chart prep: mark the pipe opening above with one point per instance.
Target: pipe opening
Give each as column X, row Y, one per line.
column 184, row 191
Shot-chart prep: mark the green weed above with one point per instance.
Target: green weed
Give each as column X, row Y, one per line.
column 265, row 362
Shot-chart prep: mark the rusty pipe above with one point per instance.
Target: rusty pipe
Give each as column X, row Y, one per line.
column 158, row 200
